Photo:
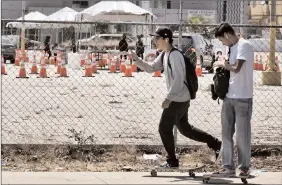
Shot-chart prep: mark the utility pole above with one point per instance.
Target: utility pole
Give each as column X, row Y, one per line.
column 271, row 60
column 23, row 28
column 179, row 47
column 180, row 25
column 271, row 77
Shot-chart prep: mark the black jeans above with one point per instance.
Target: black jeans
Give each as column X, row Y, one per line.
column 177, row 114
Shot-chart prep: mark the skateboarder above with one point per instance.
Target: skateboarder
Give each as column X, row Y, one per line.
column 238, row 104
column 177, row 101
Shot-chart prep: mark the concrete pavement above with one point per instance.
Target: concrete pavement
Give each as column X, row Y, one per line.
column 125, row 178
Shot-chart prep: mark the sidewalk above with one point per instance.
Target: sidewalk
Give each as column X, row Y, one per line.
column 125, row 178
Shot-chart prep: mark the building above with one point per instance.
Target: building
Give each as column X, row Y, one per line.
column 259, row 14
column 167, row 11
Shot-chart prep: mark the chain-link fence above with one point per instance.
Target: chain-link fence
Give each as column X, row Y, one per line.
column 89, row 90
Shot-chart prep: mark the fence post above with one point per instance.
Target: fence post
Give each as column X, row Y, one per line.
column 179, row 47
column 271, row 77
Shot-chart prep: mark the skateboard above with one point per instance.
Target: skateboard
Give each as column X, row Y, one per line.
column 207, row 177
column 191, row 171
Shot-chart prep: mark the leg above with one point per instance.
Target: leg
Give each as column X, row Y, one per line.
column 243, row 109
column 196, row 134
column 49, row 53
column 228, row 129
column 168, row 120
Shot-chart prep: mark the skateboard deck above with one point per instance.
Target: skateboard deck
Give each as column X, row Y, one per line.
column 191, row 171
column 207, row 177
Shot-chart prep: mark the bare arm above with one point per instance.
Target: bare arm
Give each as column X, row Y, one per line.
column 236, row 67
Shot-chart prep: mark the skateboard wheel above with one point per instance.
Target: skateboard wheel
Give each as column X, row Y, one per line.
column 244, row 181
column 154, row 173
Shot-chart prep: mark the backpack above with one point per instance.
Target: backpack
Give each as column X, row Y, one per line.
column 221, row 83
column 191, row 77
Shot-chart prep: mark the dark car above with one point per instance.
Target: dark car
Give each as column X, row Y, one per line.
column 8, row 50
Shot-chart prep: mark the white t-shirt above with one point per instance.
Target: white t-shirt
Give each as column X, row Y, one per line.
column 241, row 83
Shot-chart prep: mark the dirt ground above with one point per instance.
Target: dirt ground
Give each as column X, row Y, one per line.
column 119, row 158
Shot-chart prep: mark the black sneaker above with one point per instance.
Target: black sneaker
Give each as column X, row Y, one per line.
column 170, row 164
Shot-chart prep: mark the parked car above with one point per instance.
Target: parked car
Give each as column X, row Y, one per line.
column 105, row 42
column 8, row 50
column 193, row 46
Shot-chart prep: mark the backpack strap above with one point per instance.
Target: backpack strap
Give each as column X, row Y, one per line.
column 168, row 62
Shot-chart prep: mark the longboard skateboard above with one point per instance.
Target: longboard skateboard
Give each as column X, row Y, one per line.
column 207, row 177
column 191, row 171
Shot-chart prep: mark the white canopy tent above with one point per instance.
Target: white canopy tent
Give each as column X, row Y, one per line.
column 114, row 11
column 118, row 11
column 65, row 15
column 32, row 16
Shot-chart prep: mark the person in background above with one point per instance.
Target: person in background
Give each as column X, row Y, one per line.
column 47, row 46
column 123, row 46
column 139, row 49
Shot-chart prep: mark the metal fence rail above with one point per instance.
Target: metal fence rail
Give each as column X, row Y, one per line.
column 111, row 108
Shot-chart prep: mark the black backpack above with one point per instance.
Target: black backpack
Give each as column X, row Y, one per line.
column 191, row 77
column 221, row 83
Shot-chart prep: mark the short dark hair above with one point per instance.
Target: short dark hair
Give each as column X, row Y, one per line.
column 224, row 28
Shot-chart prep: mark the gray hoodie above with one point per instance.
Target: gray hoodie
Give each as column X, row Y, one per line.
column 175, row 77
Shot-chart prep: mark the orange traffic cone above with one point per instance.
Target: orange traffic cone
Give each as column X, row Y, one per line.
column 43, row 71
column 122, row 66
column 63, row 70
column 198, row 68
column 88, row 69
column 82, row 62
column 59, row 63
column 17, row 61
column 52, row 60
column 256, row 63
column 34, row 69
column 113, row 66
column 3, row 70
column 128, row 70
column 94, row 65
column 133, row 67
column 157, row 74
column 22, row 72
column 58, row 60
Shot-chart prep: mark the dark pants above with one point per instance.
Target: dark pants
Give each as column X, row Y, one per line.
column 49, row 52
column 177, row 114
column 141, row 56
column 125, row 56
